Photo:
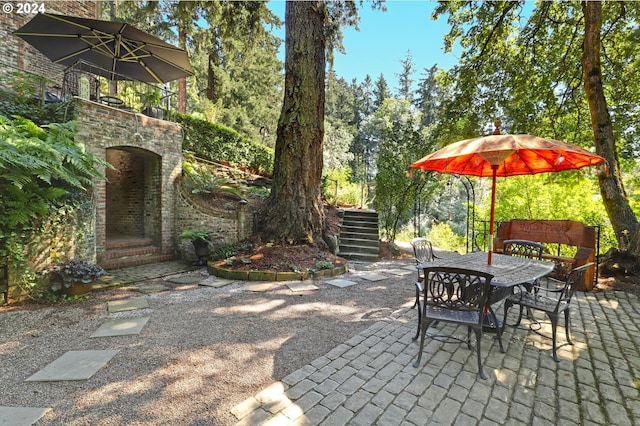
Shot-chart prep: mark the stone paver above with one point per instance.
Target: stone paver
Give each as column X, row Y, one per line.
column 74, row 365
column 597, row 381
column 342, row 283
column 215, row 282
column 121, row 327
column 373, row 277
column 129, row 304
column 21, row 416
column 301, row 286
column 148, row 288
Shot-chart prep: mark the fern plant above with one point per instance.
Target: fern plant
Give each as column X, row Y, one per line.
column 38, row 166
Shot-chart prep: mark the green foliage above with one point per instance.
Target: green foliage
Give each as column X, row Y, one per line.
column 338, row 189
column 442, row 236
column 203, row 179
column 24, row 98
column 229, row 250
column 37, row 167
column 566, row 195
column 194, row 235
column 218, row 143
column 400, row 144
column 75, row 270
column 324, row 264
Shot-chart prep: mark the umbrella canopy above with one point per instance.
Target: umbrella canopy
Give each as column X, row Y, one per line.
column 114, row 46
column 506, row 155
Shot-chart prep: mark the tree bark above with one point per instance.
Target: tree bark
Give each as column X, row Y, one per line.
column 182, row 83
column 211, row 79
column 293, row 213
column 614, row 198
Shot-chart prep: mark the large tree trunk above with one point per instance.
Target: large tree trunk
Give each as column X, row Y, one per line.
column 182, row 83
column 293, row 212
column 211, row 79
column 614, row 198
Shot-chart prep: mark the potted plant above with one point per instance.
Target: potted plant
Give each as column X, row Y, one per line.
column 76, row 277
column 151, row 101
column 201, row 241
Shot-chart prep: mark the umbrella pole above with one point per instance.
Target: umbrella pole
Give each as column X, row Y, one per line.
column 494, row 169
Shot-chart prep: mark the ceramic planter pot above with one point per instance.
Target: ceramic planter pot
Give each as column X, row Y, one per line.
column 77, row 288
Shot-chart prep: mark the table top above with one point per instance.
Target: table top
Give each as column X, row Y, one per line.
column 111, row 100
column 507, row 271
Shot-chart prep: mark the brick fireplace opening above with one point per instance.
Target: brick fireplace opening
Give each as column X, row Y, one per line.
column 133, row 194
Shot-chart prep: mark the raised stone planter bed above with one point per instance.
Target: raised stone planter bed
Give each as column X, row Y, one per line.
column 242, row 275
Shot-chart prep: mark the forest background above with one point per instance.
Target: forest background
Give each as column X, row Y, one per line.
column 373, row 132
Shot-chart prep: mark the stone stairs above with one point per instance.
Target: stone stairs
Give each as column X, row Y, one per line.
column 359, row 239
column 125, row 252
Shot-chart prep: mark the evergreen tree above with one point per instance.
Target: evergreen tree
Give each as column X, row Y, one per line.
column 381, row 91
column 405, row 79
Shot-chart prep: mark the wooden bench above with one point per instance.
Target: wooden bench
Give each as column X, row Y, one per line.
column 560, row 232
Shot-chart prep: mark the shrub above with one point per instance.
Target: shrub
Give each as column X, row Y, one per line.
column 218, row 143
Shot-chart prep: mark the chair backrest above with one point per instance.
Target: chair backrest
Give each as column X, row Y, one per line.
column 457, row 289
column 573, row 280
column 523, row 248
column 422, row 250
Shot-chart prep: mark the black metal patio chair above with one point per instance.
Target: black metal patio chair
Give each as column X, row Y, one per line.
column 551, row 301
column 422, row 253
column 526, row 249
column 454, row 295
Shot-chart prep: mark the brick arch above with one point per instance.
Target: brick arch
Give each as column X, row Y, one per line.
column 133, row 194
column 149, row 152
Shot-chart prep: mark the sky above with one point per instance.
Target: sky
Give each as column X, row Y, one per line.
column 384, row 40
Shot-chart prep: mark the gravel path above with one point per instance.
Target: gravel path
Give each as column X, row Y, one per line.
column 203, row 350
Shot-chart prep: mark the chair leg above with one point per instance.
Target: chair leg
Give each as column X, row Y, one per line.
column 423, row 334
column 419, row 324
column 499, row 333
column 567, row 326
column 507, row 305
column 479, row 356
column 554, row 327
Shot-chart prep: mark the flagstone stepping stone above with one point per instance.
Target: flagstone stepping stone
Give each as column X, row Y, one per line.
column 121, row 327
column 301, row 286
column 74, row 365
column 21, row 416
column 341, row 283
column 185, row 279
column 149, row 288
column 400, row 272
column 373, row 277
column 257, row 286
column 216, row 282
column 129, row 304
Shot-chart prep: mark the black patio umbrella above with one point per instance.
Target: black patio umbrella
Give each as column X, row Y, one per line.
column 114, row 46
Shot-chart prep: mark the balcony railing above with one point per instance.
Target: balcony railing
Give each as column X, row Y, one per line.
column 90, row 82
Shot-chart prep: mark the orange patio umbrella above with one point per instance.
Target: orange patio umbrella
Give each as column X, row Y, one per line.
column 506, row 155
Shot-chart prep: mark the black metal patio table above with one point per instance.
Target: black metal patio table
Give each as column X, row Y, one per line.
column 507, row 271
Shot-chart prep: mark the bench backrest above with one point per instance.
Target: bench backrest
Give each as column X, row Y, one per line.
column 549, row 231
column 565, row 232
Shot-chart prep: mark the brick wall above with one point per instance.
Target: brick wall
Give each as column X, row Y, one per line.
column 18, row 54
column 138, row 142
column 226, row 223
column 125, row 193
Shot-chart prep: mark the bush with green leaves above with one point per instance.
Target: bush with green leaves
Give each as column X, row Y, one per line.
column 218, row 143
column 21, row 94
column 338, row 189
column 202, row 178
column 39, row 167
